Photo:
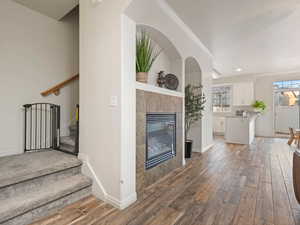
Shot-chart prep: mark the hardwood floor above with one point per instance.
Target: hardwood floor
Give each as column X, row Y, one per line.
column 228, row 185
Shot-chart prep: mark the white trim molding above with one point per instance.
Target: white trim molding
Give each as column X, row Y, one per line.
column 121, row 204
column 98, row 189
column 88, row 170
column 128, row 117
column 207, row 148
column 10, row 151
column 197, row 150
column 159, row 90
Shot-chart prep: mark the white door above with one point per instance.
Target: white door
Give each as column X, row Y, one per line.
column 286, row 117
column 286, row 110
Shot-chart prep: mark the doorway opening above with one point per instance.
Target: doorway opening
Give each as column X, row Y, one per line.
column 193, row 77
column 286, row 106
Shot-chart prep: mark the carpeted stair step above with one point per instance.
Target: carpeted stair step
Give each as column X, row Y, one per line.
column 67, row 144
column 37, row 182
column 69, row 140
column 34, row 185
column 26, row 167
column 25, row 207
column 67, row 148
column 73, row 130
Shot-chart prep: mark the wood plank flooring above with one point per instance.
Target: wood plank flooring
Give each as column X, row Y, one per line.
column 228, row 185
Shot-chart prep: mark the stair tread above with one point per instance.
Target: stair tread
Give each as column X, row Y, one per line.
column 68, row 148
column 19, row 168
column 25, row 202
column 73, row 127
column 69, row 140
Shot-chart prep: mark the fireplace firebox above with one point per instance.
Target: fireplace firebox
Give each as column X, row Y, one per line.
column 160, row 138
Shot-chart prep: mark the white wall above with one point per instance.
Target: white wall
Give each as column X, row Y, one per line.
column 152, row 13
column 37, row 52
column 101, row 69
column 162, row 62
column 263, row 90
column 177, row 69
column 107, row 70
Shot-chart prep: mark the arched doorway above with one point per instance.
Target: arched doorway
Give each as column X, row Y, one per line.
column 193, row 76
column 169, row 60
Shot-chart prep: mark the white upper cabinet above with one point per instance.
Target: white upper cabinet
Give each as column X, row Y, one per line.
column 243, row 94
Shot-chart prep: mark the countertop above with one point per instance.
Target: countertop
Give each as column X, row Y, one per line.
column 250, row 116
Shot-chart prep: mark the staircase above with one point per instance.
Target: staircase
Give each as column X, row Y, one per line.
column 35, row 185
column 68, row 144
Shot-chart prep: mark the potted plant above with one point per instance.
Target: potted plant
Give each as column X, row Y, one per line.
column 145, row 56
column 194, row 106
column 259, row 106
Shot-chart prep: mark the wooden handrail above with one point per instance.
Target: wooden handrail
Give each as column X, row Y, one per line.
column 55, row 90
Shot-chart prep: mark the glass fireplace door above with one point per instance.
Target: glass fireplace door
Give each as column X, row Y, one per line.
column 160, row 138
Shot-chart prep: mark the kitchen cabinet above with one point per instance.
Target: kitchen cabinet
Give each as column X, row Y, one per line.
column 240, row 130
column 243, row 94
column 219, row 124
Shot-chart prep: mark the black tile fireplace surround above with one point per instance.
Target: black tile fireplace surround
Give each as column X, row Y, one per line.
column 160, row 138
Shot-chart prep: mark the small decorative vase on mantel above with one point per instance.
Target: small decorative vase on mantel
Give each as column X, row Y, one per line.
column 142, row 77
column 145, row 56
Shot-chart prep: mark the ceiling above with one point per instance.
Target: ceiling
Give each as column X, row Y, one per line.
column 258, row 36
column 55, row 9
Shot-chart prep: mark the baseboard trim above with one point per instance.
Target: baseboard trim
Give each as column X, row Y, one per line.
column 9, row 152
column 121, row 204
column 207, row 148
column 88, row 170
column 99, row 190
column 219, row 133
column 280, row 137
column 128, row 201
column 196, row 150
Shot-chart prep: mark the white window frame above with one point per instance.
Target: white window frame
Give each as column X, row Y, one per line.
column 230, row 94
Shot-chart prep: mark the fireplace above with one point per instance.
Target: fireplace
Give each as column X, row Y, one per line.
column 160, row 138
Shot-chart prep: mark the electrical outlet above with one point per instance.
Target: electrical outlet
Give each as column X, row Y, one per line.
column 113, row 101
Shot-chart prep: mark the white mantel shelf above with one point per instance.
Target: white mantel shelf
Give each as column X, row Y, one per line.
column 158, row 90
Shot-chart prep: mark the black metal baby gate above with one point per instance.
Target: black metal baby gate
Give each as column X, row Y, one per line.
column 42, row 126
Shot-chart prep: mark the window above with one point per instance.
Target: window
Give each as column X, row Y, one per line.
column 287, row 84
column 221, row 98
column 287, row 98
column 287, row 92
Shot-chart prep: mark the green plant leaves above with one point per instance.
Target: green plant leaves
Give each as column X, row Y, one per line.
column 145, row 53
column 259, row 105
column 194, row 105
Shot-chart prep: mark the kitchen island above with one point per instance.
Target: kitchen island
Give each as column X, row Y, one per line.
column 240, row 130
